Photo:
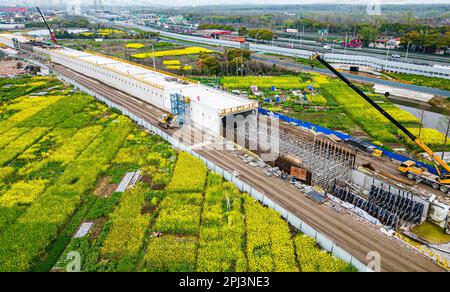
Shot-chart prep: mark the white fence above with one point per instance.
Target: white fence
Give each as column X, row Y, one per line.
column 302, row 226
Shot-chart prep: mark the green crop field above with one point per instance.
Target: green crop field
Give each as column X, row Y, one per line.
column 63, row 155
column 281, row 82
column 433, row 82
column 370, row 120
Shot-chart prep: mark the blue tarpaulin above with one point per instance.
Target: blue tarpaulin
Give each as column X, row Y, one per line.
column 342, row 136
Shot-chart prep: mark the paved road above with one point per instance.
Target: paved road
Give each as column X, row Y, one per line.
column 314, row 39
column 371, row 52
column 346, row 230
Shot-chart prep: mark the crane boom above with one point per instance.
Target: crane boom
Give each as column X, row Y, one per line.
column 48, row 27
column 436, row 159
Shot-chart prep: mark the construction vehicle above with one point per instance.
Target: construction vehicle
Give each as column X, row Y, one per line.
column 409, row 168
column 364, row 146
column 168, row 121
column 52, row 36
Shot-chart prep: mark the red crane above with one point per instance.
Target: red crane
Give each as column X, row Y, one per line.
column 48, row 27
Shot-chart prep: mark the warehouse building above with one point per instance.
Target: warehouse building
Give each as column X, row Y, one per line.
column 206, row 107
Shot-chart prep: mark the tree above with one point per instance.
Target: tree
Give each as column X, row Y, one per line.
column 444, row 41
column 242, row 31
column 148, row 35
column 368, row 34
column 444, row 126
column 266, row 34
column 429, row 39
column 413, row 37
column 216, row 26
column 261, row 34
column 208, row 64
column 231, row 54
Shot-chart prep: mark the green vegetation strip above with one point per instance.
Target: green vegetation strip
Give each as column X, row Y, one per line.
column 432, row 82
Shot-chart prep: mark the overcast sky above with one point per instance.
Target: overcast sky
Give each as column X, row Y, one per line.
column 204, row 2
column 218, row 2
column 209, row 2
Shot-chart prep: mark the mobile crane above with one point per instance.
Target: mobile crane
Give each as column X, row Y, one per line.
column 409, row 168
column 52, row 36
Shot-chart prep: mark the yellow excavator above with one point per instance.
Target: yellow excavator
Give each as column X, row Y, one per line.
column 409, row 168
column 168, row 121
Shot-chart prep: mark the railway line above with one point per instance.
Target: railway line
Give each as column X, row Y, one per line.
column 380, row 164
column 346, row 230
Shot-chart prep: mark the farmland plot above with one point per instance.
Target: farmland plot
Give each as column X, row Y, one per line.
column 178, row 217
column 373, row 123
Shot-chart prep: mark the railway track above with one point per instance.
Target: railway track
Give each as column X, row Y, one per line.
column 380, row 164
column 345, row 230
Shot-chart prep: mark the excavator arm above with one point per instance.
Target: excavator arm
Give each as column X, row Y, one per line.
column 435, row 158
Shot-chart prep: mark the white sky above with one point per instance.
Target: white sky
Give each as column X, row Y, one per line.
column 218, row 2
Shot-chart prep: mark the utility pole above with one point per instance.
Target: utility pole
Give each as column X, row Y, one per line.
column 345, row 44
column 153, row 56
column 242, row 65
column 303, row 35
column 446, row 138
column 444, row 122
column 421, row 121
column 407, row 51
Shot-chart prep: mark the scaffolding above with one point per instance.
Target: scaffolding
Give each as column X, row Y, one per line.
column 325, row 159
column 179, row 107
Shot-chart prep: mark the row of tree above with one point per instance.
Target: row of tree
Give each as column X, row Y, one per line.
column 395, row 24
column 233, row 62
column 427, row 40
column 261, row 34
column 61, row 23
column 64, row 34
column 216, row 26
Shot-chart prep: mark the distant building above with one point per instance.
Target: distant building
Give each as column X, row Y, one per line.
column 149, row 16
column 213, row 33
column 386, row 43
column 393, row 43
column 291, row 30
column 11, row 26
column 14, row 10
column 354, row 43
column 232, row 38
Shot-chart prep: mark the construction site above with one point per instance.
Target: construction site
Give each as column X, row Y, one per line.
column 357, row 199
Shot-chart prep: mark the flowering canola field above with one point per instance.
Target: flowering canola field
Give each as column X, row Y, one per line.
column 63, row 156
column 179, row 52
